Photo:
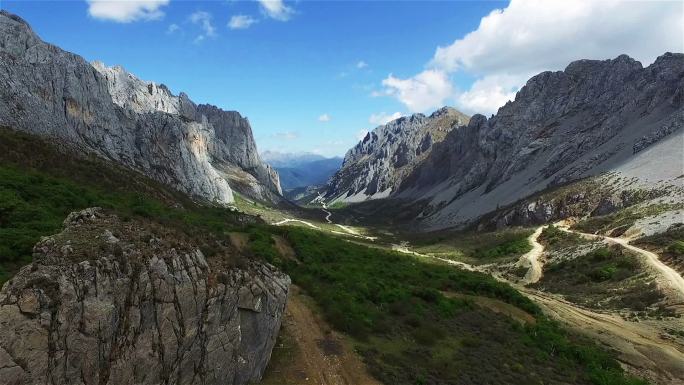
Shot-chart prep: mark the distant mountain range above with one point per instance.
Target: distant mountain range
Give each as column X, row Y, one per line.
column 301, row 169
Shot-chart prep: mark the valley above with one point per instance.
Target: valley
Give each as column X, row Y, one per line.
column 144, row 239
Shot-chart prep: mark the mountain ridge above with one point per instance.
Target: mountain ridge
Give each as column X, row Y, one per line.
column 198, row 149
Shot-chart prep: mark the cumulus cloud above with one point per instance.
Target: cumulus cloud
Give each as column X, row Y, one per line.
column 241, row 22
column 427, row 90
column 276, row 9
column 531, row 36
column 361, row 64
column 286, row 135
column 204, row 21
column 383, row 118
column 126, row 11
column 324, row 118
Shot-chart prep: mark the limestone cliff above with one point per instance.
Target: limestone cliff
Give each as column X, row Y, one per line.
column 200, row 150
column 113, row 302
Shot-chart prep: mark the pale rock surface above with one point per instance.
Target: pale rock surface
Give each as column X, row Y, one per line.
column 111, row 302
column 141, row 125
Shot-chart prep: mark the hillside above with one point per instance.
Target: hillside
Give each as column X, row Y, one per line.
column 302, row 170
column 198, row 149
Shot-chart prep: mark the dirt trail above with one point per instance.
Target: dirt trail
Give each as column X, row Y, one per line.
column 531, row 258
column 639, row 345
column 320, row 356
column 668, row 277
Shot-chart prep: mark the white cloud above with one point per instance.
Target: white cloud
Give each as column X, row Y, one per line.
column 204, row 21
column 126, row 11
column 241, row 22
column 276, row 9
column 361, row 134
column 531, row 36
column 324, row 118
column 489, row 93
column 383, row 118
column 286, row 135
column 361, row 64
column 172, row 28
column 427, row 90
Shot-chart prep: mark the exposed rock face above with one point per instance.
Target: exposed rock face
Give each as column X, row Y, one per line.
column 111, row 302
column 584, row 121
column 376, row 166
column 107, row 111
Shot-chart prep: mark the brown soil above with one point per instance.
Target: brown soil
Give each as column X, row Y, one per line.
column 310, row 352
column 283, row 246
column 239, row 240
column 497, row 306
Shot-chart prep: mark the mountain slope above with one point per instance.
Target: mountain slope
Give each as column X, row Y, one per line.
column 376, row 166
column 595, row 117
column 200, row 150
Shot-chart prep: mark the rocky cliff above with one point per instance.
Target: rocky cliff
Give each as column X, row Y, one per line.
column 592, row 118
column 113, row 302
column 377, row 165
column 200, row 150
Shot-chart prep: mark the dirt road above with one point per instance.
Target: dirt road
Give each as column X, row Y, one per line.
column 531, row 259
column 317, row 354
column 668, row 278
column 638, row 344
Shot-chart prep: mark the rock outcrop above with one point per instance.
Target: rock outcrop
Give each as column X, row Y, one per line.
column 594, row 117
column 377, row 165
column 200, row 150
column 112, row 302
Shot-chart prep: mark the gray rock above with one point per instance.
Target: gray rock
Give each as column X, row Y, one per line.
column 563, row 126
column 148, row 310
column 141, row 125
column 377, row 165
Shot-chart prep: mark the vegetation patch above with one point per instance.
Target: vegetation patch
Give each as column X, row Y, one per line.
column 477, row 247
column 619, row 221
column 554, row 238
column 668, row 245
column 607, row 278
column 409, row 332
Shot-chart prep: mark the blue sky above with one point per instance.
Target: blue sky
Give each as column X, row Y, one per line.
column 312, row 75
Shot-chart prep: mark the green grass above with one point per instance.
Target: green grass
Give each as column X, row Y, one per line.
column 408, row 332
column 391, row 304
column 476, row 247
column 555, row 239
column 607, row 277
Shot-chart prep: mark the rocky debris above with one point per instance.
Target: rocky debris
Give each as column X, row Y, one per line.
column 141, row 125
column 378, row 164
column 563, row 126
column 112, row 302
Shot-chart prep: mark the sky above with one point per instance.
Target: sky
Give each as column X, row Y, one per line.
column 315, row 76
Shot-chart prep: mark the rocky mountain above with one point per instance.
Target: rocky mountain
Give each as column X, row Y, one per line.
column 198, row 149
column 594, row 118
column 126, row 302
column 378, row 164
column 302, row 170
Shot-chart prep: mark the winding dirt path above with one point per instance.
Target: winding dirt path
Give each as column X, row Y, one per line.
column 639, row 345
column 668, row 277
column 531, row 259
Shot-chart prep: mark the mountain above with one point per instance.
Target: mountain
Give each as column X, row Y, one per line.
column 610, row 118
column 303, row 169
column 201, row 150
column 378, row 164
